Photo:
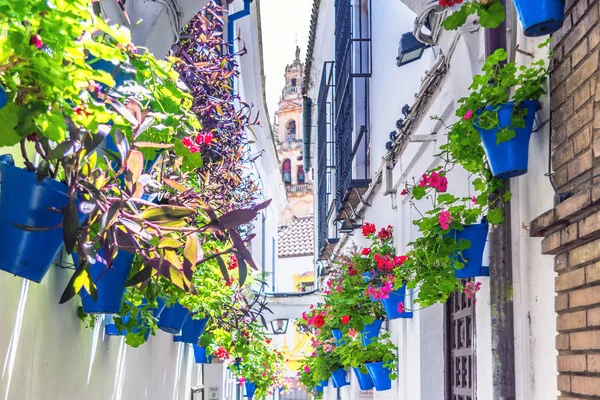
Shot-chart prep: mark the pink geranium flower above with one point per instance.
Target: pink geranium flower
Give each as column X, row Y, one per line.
column 468, row 115
column 445, row 218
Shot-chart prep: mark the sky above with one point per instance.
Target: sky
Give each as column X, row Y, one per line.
column 282, row 21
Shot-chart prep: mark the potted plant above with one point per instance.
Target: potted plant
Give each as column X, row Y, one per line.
column 203, row 350
column 380, row 361
column 192, row 329
column 496, row 121
column 138, row 316
column 379, row 355
column 381, row 261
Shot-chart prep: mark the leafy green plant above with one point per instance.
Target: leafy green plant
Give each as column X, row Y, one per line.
column 355, row 355
column 490, row 12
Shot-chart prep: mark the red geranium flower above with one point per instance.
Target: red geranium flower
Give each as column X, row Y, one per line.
column 319, row 321
column 366, row 251
column 345, row 319
column 368, row 229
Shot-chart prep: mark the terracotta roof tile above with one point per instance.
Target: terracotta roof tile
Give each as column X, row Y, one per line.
column 297, row 238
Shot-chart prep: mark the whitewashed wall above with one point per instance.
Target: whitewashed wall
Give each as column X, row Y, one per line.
column 46, row 353
column 420, row 340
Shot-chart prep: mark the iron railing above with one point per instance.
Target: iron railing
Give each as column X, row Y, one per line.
column 301, row 187
column 352, row 74
column 325, row 151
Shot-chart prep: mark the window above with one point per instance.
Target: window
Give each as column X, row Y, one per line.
column 293, row 81
column 300, row 175
column 291, row 131
column 286, row 170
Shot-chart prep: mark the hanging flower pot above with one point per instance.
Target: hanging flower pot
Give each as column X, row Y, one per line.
column 365, row 382
column 250, row 389
column 110, row 284
column 201, row 355
column 508, row 159
column 338, row 377
column 324, row 383
column 380, row 375
column 23, row 201
column 173, row 318
column 541, row 17
column 371, row 331
column 3, row 97
column 337, row 335
column 367, row 276
column 191, row 330
column 392, row 304
column 473, row 256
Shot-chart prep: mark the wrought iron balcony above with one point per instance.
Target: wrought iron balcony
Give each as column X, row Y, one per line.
column 352, row 136
column 302, row 187
column 325, row 152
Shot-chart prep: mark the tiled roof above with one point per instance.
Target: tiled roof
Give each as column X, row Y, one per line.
column 297, row 238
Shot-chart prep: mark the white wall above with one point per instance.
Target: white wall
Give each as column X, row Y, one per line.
column 46, row 353
column 287, row 267
column 421, row 340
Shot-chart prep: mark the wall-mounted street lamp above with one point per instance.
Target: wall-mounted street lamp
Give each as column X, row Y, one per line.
column 410, row 49
column 279, row 326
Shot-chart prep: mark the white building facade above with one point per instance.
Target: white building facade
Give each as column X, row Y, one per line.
column 46, row 352
column 356, row 104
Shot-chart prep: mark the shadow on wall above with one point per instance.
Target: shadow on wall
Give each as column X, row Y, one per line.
column 49, row 354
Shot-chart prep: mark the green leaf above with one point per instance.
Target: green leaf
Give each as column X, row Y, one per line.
column 418, row 192
column 504, row 135
column 162, row 213
column 169, row 243
column 8, row 121
column 506, row 196
column 190, row 160
column 495, row 216
column 457, row 19
column 492, row 15
column 54, row 127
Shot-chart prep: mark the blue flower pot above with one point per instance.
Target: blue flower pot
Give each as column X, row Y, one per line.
column 337, row 335
column 201, row 356
column 173, row 318
column 391, row 304
column 121, row 75
column 110, row 284
column 540, row 17
column 338, row 377
column 111, row 330
column 477, row 235
column 324, row 383
column 191, row 330
column 24, row 201
column 508, row 159
column 365, row 382
column 380, row 376
column 250, row 389
column 371, row 332
column 3, row 97
column 367, row 276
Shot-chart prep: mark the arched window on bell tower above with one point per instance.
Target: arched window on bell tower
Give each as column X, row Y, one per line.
column 286, row 171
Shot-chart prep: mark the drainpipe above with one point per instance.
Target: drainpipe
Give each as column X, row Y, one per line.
column 234, row 17
column 306, row 132
column 501, row 279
